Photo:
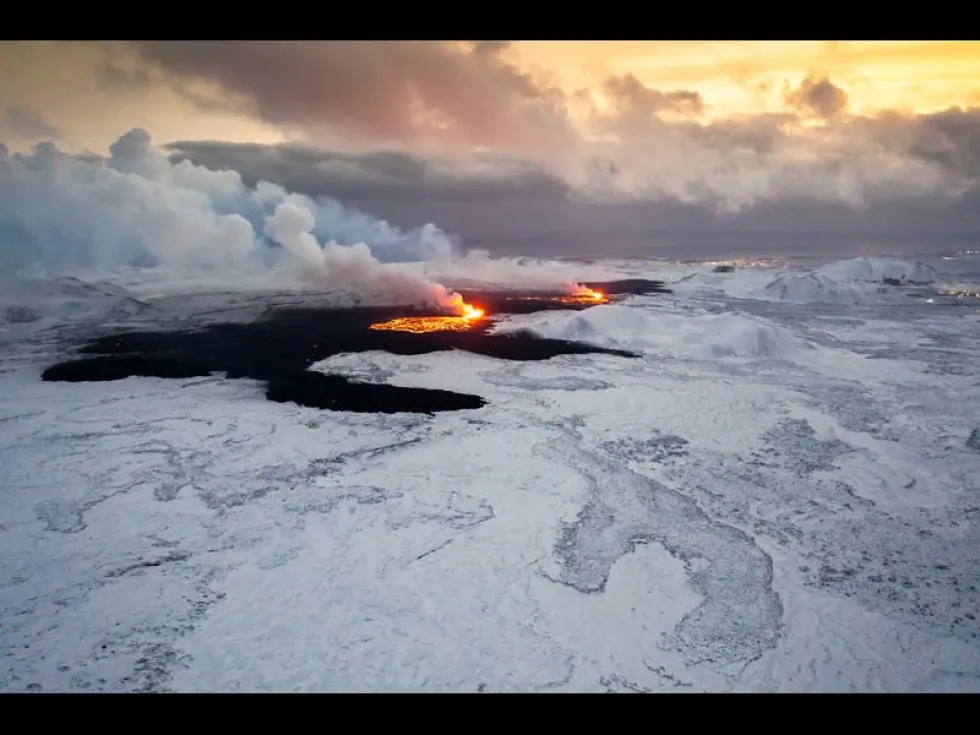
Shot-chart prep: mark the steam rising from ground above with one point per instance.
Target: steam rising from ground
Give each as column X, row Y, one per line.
column 351, row 267
column 60, row 212
column 135, row 208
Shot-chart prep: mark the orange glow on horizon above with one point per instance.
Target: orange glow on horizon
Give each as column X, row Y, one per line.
column 748, row 77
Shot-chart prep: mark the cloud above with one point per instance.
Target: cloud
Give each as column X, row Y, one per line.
column 137, row 208
column 453, row 119
column 820, row 97
column 24, row 121
column 111, row 75
column 637, row 102
column 740, row 163
column 409, row 92
column 379, row 175
column 466, row 123
column 890, row 173
column 950, row 139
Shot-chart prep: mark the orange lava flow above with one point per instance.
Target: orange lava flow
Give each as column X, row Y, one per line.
column 580, row 296
column 422, row 324
column 584, row 296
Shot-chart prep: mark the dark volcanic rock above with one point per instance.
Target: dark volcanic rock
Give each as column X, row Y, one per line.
column 506, row 303
column 525, row 346
column 903, row 282
column 635, row 286
column 529, row 302
column 337, row 393
column 117, row 367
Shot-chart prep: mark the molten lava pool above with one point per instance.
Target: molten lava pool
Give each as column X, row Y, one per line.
column 422, row 324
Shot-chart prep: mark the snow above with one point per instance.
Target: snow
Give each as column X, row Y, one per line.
column 855, row 281
column 776, row 495
column 805, row 288
column 744, row 282
column 702, row 336
column 31, row 304
column 876, row 270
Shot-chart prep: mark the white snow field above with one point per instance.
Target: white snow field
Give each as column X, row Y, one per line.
column 781, row 494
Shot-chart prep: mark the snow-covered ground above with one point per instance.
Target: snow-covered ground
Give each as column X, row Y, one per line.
column 780, row 495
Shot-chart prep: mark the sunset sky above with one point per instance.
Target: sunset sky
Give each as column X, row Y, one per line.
column 498, row 139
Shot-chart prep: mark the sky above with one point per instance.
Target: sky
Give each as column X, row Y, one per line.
column 557, row 147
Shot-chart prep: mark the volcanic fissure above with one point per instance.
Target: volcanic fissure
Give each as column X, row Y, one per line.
column 280, row 347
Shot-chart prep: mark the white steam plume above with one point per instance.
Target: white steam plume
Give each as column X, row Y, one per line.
column 477, row 269
column 349, row 267
column 135, row 208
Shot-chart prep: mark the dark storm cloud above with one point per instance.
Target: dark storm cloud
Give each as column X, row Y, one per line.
column 395, row 91
column 675, row 230
column 382, row 175
column 27, row 122
column 951, row 139
column 529, row 212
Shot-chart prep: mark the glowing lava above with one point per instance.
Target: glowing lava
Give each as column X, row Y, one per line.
column 422, row 324
column 584, row 295
column 580, row 295
column 471, row 313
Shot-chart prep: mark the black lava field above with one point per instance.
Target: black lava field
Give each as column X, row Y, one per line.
column 280, row 347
